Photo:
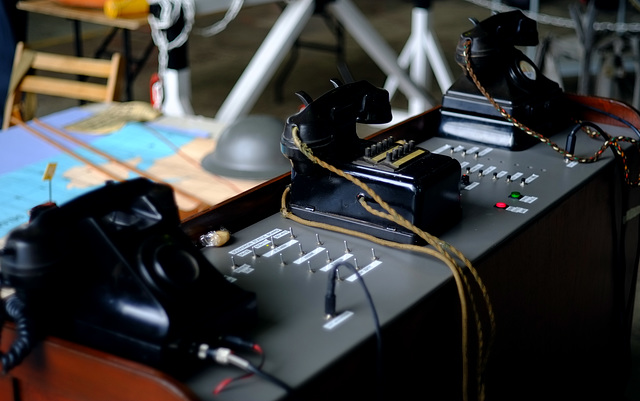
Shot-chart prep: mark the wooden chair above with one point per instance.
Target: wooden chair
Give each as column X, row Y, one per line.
column 57, row 75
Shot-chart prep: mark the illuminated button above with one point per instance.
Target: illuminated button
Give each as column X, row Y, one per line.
column 515, row 195
column 501, row 205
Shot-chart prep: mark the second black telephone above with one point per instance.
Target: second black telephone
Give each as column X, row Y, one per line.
column 510, row 78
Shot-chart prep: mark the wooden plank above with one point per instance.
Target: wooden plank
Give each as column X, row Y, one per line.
column 88, row 91
column 72, row 65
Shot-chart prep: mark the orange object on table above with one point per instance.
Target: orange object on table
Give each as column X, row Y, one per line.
column 123, row 8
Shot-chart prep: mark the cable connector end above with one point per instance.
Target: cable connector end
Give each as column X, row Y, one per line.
column 203, row 351
column 330, row 305
column 220, row 355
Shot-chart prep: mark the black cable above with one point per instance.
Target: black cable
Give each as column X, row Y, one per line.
column 570, row 145
column 614, row 117
column 270, row 378
column 330, row 298
column 238, row 342
column 572, row 137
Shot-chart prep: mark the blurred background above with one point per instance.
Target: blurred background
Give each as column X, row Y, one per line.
column 217, row 62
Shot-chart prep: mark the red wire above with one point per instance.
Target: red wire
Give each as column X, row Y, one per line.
column 224, row 383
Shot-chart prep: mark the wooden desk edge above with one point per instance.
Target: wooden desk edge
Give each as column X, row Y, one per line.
column 96, row 16
column 265, row 198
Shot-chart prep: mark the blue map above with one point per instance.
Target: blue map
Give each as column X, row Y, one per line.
column 24, row 158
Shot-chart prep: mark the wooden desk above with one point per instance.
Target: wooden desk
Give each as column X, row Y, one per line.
column 96, row 16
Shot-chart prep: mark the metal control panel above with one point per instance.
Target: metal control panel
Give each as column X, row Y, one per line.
column 286, row 264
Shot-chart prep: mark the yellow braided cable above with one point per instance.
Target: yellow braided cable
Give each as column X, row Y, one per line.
column 483, row 354
column 395, row 217
column 444, row 255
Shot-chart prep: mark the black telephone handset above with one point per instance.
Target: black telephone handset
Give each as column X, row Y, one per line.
column 112, row 270
column 328, row 124
column 510, row 78
column 421, row 186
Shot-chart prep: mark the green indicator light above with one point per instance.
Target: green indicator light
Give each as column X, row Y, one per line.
column 515, row 195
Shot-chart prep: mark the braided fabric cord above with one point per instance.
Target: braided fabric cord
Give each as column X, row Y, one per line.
column 613, row 142
column 443, row 251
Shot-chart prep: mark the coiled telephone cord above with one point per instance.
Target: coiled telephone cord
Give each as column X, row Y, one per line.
column 23, row 343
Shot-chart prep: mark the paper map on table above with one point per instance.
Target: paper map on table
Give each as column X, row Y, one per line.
column 169, row 153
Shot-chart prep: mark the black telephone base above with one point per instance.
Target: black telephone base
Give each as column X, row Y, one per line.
column 484, row 130
column 466, row 113
column 425, row 190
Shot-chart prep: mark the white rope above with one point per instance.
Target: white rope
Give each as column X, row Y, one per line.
column 230, row 15
column 169, row 14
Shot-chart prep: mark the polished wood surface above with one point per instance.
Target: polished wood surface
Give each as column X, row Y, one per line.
column 57, row 370
column 619, row 109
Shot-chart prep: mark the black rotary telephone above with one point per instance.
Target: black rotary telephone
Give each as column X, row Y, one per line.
column 112, row 270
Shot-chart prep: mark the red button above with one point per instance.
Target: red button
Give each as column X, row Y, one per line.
column 501, row 205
